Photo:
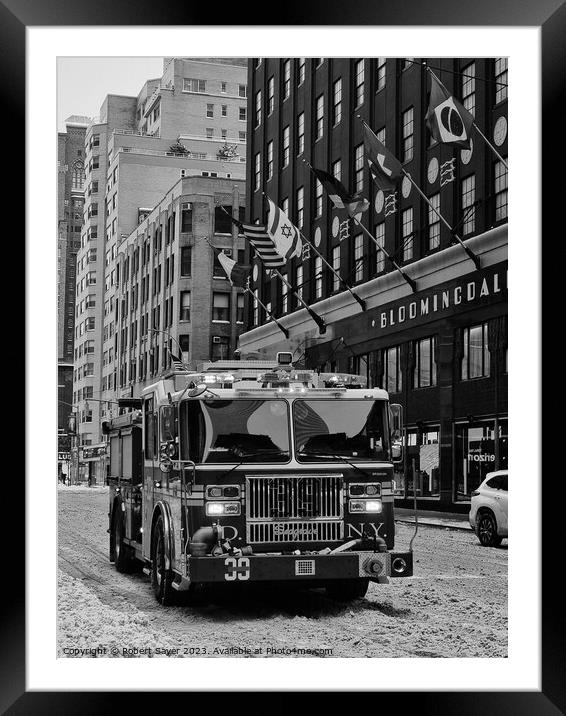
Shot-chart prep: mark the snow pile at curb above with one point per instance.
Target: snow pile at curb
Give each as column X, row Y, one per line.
column 87, row 627
column 81, row 488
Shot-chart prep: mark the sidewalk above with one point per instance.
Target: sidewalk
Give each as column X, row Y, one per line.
column 446, row 520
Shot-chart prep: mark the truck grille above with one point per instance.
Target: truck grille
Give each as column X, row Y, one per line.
column 294, row 508
column 315, row 531
column 294, row 497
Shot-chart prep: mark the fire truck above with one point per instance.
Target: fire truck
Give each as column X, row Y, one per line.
column 254, row 471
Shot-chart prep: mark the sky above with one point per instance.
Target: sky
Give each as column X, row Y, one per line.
column 84, row 82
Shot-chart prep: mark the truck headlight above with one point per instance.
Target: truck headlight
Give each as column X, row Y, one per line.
column 222, row 508
column 365, row 505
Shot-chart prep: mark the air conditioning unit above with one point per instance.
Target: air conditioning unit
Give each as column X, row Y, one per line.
column 187, row 205
column 216, row 339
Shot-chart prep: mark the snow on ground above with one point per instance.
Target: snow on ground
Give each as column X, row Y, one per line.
column 87, row 627
column 81, row 488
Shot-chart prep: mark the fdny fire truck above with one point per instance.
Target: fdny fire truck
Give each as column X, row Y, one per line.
column 252, row 471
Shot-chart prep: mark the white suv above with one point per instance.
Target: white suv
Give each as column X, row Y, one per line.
column 488, row 513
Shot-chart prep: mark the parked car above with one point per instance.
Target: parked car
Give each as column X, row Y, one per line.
column 488, row 513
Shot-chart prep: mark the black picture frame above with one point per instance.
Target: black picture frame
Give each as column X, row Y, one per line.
column 550, row 16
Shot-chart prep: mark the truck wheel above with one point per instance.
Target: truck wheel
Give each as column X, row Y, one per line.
column 487, row 530
column 122, row 560
column 346, row 590
column 161, row 577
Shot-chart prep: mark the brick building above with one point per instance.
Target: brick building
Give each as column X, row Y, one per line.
column 192, row 120
column 440, row 350
column 172, row 287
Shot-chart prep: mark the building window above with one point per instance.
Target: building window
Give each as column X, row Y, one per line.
column 258, row 108
column 286, row 146
column 286, row 79
column 220, row 347
column 299, row 283
column 301, row 71
column 337, row 102
column 319, row 116
column 467, row 200
column 408, row 136
column 284, row 295
column 209, row 132
column 392, row 376
column 337, row 169
column 425, row 363
column 240, row 308
column 300, row 207
column 380, row 256
column 434, row 222
column 270, row 95
column 256, row 308
column 285, row 205
column 257, row 171
column 186, row 218
column 224, row 134
column 358, row 258
column 500, row 187
column 380, row 73
column 481, row 447
column 242, row 136
column 242, row 91
column 407, row 234
column 301, row 133
column 269, row 162
column 191, row 85
column 475, row 358
column 185, row 306
column 336, row 267
column 359, row 82
column 210, row 110
column 224, row 110
column 318, row 277
column 221, row 307
column 318, row 194
column 501, row 75
column 359, row 167
column 242, row 114
column 469, row 88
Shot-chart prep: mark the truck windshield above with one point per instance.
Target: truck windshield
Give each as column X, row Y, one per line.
column 224, row 431
column 328, row 429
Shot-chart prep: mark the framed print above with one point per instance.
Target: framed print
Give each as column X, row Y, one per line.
column 278, row 302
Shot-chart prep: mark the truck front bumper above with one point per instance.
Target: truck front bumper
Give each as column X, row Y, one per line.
column 377, row 566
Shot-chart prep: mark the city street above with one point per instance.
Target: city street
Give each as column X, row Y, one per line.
column 454, row 606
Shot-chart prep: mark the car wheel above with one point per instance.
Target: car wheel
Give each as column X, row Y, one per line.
column 487, row 530
column 346, row 590
column 161, row 576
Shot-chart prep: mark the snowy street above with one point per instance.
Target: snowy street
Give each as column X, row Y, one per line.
column 454, row 606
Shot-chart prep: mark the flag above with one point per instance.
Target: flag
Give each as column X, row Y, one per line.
column 449, row 122
column 385, row 168
column 264, row 245
column 176, row 362
column 285, row 235
column 339, row 195
column 236, row 273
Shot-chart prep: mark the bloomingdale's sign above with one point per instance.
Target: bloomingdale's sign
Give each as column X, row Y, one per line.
column 449, row 298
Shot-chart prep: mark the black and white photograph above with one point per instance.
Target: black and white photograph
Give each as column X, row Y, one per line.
column 283, row 359
column 285, row 351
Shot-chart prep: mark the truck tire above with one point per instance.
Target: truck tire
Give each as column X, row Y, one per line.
column 122, row 558
column 346, row 590
column 161, row 576
column 486, row 530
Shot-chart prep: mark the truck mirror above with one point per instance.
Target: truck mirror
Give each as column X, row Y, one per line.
column 195, row 392
column 396, row 419
column 397, row 452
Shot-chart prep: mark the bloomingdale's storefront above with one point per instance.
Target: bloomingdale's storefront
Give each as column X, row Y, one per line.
column 442, row 354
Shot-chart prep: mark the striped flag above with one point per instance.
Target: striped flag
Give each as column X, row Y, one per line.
column 236, row 273
column 284, row 233
column 262, row 242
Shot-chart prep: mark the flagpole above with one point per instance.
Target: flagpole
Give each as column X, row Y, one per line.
column 467, row 249
column 490, row 145
column 268, row 313
column 344, row 283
